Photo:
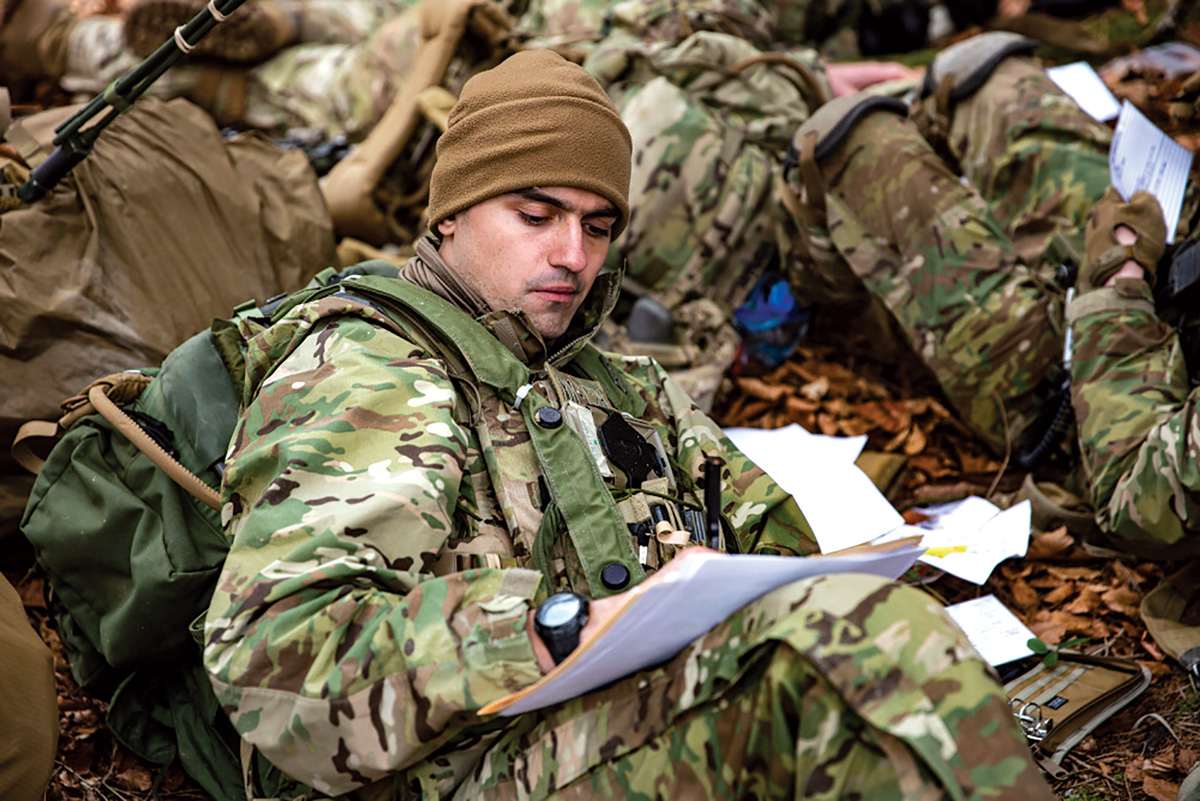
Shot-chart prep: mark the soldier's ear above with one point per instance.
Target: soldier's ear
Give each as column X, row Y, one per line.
column 446, row 227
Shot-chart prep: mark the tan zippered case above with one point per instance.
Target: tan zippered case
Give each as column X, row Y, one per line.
column 1057, row 706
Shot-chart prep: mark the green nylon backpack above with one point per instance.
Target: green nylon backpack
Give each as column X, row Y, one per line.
column 132, row 558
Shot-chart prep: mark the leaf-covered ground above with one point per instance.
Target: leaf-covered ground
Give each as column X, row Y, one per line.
column 837, row 385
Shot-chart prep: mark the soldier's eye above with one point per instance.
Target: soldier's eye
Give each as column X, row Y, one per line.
column 532, row 219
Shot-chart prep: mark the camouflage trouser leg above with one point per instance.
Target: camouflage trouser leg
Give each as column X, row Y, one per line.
column 829, row 688
column 931, row 250
column 1038, row 160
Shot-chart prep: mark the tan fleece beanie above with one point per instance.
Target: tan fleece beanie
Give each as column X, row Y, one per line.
column 535, row 120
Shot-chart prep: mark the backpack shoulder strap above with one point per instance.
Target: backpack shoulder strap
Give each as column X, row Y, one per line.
column 456, row 332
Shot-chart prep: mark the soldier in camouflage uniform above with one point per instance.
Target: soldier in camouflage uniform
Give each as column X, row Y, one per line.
column 1130, row 387
column 403, row 490
column 954, row 226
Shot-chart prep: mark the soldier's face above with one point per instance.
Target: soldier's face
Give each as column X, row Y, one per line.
column 538, row 250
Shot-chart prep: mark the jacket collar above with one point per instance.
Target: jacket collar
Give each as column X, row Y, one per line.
column 513, row 328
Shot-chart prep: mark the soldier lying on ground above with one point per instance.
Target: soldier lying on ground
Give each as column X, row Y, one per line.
column 711, row 90
column 955, row 225
column 397, row 521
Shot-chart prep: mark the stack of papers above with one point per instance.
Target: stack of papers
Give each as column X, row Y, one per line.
column 967, row 538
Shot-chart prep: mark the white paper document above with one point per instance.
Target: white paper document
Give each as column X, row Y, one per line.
column 839, row 501
column 967, row 538
column 997, row 634
column 1083, row 85
column 662, row 618
column 1143, row 157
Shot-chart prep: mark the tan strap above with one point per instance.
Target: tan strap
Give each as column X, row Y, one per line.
column 349, row 188
column 21, row 450
column 808, row 85
column 810, row 173
column 6, row 116
column 163, row 460
column 30, row 151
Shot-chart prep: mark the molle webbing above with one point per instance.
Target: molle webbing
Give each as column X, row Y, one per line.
column 594, row 524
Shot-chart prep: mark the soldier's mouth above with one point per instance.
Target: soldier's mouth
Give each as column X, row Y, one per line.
column 557, row 294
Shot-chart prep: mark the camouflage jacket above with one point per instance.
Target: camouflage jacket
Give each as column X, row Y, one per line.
column 383, row 509
column 1138, row 426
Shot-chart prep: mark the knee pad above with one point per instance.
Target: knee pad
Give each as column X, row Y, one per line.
column 968, row 64
column 957, row 73
column 821, row 134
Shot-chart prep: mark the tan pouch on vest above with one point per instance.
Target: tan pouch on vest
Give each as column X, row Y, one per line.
column 1058, row 706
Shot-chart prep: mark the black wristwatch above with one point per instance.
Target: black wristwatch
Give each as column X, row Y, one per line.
column 558, row 622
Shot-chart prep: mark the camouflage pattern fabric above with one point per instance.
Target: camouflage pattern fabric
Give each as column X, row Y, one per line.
column 831, row 688
column 350, row 651
column 1137, row 421
column 1035, row 157
column 330, row 83
column 903, row 228
column 710, row 119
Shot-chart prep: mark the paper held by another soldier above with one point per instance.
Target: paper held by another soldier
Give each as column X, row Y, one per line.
column 658, row 620
column 1143, row 157
column 966, row 538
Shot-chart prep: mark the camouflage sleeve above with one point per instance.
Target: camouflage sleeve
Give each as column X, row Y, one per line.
column 766, row 518
column 329, row 641
column 1138, row 426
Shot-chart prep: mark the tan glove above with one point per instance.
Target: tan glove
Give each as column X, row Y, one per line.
column 1186, row 105
column 1105, row 255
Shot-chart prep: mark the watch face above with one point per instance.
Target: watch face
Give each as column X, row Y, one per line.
column 559, row 610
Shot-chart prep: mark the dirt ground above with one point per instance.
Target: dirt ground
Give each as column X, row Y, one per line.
column 838, row 385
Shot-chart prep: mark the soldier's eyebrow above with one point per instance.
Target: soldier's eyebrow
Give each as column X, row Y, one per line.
column 538, row 196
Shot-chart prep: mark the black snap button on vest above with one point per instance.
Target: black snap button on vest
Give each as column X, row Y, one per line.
column 548, row 417
column 614, row 576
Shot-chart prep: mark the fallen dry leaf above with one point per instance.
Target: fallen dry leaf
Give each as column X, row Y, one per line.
column 1160, row 789
column 1026, row 597
column 1051, row 543
column 1087, row 603
column 1060, row 594
column 1122, row 600
column 1073, row 573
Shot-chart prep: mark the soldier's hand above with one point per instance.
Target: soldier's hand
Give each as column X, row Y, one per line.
column 601, row 609
column 1109, row 253
column 854, row 76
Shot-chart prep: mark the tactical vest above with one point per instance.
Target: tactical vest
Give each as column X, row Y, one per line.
column 566, row 451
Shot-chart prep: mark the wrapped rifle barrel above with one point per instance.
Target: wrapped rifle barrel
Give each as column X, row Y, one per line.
column 74, row 142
